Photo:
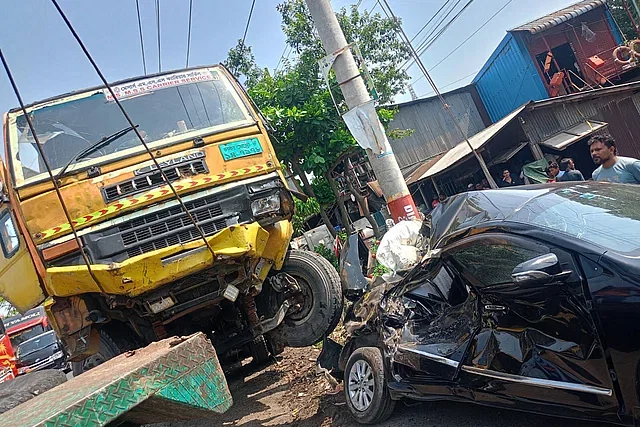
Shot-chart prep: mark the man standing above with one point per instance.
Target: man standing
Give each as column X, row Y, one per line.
column 507, row 180
column 612, row 168
column 570, row 173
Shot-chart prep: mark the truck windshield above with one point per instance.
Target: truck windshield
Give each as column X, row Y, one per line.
column 25, row 335
column 36, row 343
column 166, row 108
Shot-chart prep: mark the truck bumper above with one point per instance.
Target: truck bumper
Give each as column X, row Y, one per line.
column 169, row 380
column 138, row 275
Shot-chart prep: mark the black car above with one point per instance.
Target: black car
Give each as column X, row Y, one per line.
column 528, row 298
column 44, row 351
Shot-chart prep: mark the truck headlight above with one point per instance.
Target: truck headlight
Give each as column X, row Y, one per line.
column 266, row 205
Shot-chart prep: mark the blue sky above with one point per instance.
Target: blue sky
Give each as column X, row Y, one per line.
column 46, row 61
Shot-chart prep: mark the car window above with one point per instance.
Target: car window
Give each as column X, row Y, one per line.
column 442, row 285
column 8, row 236
column 492, row 261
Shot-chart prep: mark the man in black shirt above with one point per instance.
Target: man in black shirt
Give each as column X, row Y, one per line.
column 570, row 172
column 508, row 180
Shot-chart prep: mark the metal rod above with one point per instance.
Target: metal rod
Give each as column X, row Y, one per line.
column 135, row 129
column 49, row 171
column 405, row 39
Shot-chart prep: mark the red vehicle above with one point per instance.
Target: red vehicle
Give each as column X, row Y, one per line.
column 8, row 370
column 25, row 326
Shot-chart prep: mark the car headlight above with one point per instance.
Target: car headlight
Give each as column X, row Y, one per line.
column 261, row 186
column 266, row 205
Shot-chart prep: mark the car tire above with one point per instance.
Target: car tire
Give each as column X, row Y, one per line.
column 111, row 345
column 365, row 387
column 322, row 294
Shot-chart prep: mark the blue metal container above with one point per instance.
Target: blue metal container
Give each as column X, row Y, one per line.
column 509, row 79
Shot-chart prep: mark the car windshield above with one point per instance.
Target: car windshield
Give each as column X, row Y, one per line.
column 25, row 335
column 608, row 216
column 179, row 105
column 34, row 344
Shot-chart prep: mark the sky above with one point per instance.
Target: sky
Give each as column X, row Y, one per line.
column 47, row 61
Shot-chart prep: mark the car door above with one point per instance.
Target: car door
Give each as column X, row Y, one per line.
column 433, row 316
column 536, row 341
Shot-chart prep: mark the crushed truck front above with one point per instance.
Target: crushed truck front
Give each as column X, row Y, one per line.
column 214, row 149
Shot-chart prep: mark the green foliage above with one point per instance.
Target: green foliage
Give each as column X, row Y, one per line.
column 328, row 254
column 241, row 62
column 304, row 211
column 378, row 269
column 307, row 129
column 622, row 18
column 323, row 192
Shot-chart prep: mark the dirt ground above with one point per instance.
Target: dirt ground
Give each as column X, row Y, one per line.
column 290, row 392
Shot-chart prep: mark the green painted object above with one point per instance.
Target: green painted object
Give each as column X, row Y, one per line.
column 173, row 379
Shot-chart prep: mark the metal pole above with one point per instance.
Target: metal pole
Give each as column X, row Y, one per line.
column 636, row 7
column 399, row 200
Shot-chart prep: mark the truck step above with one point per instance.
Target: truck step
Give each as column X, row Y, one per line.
column 173, row 379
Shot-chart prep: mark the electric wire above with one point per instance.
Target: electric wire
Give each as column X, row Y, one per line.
column 430, row 20
column 246, row 28
column 144, row 60
column 404, row 37
column 158, row 28
column 135, row 129
column 189, row 33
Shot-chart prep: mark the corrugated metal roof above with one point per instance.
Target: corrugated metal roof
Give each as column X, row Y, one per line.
column 434, row 131
column 477, row 141
column 575, row 133
column 558, row 17
column 508, row 79
column 420, row 170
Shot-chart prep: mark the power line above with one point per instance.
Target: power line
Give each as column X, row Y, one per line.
column 472, row 34
column 246, row 28
column 144, row 60
column 430, row 20
column 446, row 106
column 158, row 28
column 428, row 43
column 449, row 84
column 189, row 32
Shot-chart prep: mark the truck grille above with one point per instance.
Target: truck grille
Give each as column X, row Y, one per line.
column 173, row 226
column 153, row 179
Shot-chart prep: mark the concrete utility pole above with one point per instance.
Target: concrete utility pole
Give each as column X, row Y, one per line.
column 385, row 166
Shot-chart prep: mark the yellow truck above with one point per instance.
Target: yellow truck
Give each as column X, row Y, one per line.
column 206, row 251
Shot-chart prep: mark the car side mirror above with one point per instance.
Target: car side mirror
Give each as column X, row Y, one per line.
column 540, row 271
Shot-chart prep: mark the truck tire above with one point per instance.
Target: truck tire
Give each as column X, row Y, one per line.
column 111, row 345
column 322, row 306
column 25, row 387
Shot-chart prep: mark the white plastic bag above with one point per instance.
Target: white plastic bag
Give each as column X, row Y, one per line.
column 399, row 249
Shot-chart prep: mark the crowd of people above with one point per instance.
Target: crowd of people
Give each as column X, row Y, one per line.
column 604, row 153
column 611, row 166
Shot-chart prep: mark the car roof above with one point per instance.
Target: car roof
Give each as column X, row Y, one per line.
column 479, row 208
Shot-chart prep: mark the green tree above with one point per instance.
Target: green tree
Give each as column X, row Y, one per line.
column 622, row 18
column 308, row 132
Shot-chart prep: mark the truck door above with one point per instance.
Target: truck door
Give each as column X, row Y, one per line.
column 19, row 283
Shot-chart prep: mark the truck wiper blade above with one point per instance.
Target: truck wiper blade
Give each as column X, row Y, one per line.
column 105, row 140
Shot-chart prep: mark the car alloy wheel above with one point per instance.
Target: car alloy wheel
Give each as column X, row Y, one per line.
column 361, row 385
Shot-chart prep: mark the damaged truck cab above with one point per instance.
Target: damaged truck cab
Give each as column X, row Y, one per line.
column 150, row 274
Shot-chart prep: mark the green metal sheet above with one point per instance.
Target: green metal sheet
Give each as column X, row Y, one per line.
column 173, row 379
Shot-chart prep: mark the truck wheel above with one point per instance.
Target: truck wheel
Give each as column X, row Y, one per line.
column 110, row 346
column 321, row 299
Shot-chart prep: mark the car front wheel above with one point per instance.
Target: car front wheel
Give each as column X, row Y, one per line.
column 365, row 387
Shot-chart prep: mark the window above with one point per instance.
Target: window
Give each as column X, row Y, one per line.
column 491, row 261
column 8, row 236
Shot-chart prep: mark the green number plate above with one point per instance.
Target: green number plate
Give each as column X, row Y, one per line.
column 236, row 149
